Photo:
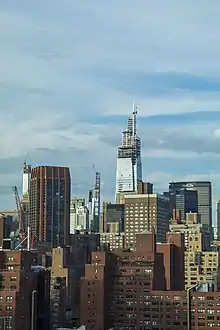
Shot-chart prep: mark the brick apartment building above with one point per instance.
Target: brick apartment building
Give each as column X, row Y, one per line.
column 24, row 291
column 68, row 265
column 144, row 289
column 116, row 285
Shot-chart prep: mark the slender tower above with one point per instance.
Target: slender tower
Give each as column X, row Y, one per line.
column 129, row 165
column 26, row 181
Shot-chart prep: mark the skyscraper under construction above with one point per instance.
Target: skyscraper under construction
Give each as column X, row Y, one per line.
column 50, row 204
column 129, row 165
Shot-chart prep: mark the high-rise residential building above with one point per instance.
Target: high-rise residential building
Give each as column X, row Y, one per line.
column 116, row 285
column 193, row 232
column 143, row 289
column 24, row 291
column 204, row 193
column 115, row 240
column 129, row 166
column 145, row 212
column 50, row 204
column 201, row 266
column 68, row 264
column 79, row 215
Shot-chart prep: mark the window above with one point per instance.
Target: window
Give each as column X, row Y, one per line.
column 10, row 259
column 8, row 308
column 9, row 298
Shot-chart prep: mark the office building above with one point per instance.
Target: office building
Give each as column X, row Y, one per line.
column 116, row 285
column 94, row 206
column 204, row 195
column 145, row 212
column 50, row 204
column 24, row 291
column 182, row 201
column 186, row 202
column 79, row 215
column 129, row 165
column 112, row 218
column 112, row 226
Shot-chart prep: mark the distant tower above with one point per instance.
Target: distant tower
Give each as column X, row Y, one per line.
column 96, row 216
column 218, row 219
column 26, row 181
column 129, row 165
column 50, row 204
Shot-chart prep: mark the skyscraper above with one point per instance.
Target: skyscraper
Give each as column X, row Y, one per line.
column 186, row 202
column 129, row 166
column 204, row 195
column 50, row 204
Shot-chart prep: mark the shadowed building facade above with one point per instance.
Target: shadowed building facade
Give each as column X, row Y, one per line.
column 50, row 204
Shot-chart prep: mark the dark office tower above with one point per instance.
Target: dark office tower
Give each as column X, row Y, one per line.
column 204, row 193
column 218, row 220
column 186, row 201
column 115, row 218
column 50, row 204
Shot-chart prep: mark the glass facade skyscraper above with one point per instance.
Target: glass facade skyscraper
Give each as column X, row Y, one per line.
column 204, row 197
column 129, row 165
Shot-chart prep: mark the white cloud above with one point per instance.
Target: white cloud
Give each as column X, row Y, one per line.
column 62, row 62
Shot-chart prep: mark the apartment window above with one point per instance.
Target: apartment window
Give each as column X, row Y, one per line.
column 10, row 259
column 10, row 268
column 13, row 278
column 9, row 308
column 9, row 298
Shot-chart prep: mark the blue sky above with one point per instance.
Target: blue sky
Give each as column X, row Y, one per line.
column 70, row 70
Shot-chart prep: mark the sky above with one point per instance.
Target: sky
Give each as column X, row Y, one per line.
column 70, row 69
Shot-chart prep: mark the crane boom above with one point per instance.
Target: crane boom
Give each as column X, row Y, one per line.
column 19, row 209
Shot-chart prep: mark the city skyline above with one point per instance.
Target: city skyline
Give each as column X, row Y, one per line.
column 61, row 106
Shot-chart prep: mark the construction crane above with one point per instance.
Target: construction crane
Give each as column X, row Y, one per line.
column 94, row 199
column 19, row 210
column 22, row 212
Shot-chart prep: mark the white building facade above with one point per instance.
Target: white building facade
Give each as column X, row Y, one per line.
column 79, row 215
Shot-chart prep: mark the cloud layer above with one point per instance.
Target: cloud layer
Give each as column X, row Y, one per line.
column 70, row 71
